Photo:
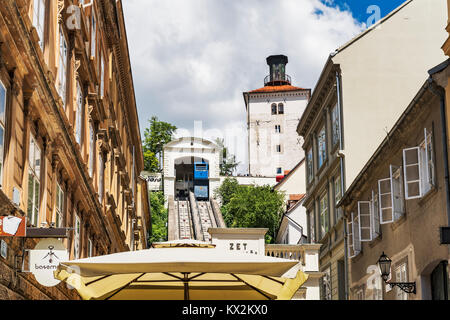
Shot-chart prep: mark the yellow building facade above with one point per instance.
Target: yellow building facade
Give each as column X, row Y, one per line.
column 71, row 152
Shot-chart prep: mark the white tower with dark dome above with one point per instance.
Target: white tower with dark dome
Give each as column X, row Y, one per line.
column 273, row 113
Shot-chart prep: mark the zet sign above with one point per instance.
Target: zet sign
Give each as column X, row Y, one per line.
column 13, row 226
column 44, row 260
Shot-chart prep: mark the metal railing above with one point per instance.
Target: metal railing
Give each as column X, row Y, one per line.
column 277, row 81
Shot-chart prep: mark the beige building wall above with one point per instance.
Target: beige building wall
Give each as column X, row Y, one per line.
column 414, row 238
column 382, row 69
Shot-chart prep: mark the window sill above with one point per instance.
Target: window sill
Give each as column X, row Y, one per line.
column 428, row 195
column 375, row 241
column 398, row 222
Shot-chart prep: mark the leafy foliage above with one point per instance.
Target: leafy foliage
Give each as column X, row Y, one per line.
column 228, row 161
column 155, row 137
column 251, row 206
column 159, row 217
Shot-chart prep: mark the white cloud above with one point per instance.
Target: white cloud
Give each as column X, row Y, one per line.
column 192, row 59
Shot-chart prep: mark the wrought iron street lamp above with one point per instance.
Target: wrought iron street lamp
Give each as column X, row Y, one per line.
column 384, row 263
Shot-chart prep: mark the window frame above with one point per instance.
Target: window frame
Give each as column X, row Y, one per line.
column 321, row 152
column 353, row 242
column 324, row 215
column 280, row 108
column 77, row 236
column 59, row 206
column 93, row 34
column 39, row 14
column 335, row 125
column 34, row 178
column 327, row 292
column 274, row 109
column 92, row 149
column 401, row 275
column 62, row 69
column 337, row 185
column 312, row 226
column 310, row 165
column 3, row 109
column 79, row 114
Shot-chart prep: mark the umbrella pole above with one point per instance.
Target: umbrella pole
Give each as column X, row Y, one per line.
column 186, row 286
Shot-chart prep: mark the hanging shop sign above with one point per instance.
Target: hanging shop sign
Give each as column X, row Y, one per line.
column 11, row 226
column 154, row 181
column 44, row 260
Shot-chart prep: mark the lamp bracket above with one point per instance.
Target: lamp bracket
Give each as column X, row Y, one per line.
column 408, row 287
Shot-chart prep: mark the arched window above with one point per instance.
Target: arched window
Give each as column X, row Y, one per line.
column 274, row 108
column 280, row 108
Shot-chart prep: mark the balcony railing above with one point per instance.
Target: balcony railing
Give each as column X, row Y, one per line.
column 285, row 251
column 277, row 81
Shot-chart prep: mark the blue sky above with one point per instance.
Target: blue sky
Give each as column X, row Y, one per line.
column 199, row 56
column 359, row 7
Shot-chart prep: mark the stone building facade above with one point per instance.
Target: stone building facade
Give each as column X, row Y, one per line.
column 397, row 205
column 71, row 152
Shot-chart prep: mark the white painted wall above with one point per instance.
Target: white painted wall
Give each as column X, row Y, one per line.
column 263, row 159
column 256, row 181
column 289, row 229
column 382, row 72
column 295, row 183
column 190, row 147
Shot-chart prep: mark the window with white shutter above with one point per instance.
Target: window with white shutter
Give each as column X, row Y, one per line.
column 375, row 216
column 353, row 238
column 419, row 168
column 385, row 196
column 413, row 173
column 397, row 192
column 428, row 163
column 391, row 196
column 365, row 220
column 356, row 235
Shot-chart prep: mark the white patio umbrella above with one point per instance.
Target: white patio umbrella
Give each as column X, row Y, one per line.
column 181, row 271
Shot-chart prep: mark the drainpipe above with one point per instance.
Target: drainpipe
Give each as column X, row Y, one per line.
column 441, row 95
column 341, row 163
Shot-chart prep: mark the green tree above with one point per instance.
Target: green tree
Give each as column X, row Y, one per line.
column 228, row 161
column 251, row 207
column 159, row 217
column 156, row 136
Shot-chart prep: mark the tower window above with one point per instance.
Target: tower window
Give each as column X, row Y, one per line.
column 274, row 109
column 279, row 170
column 277, row 128
column 279, row 148
column 280, row 108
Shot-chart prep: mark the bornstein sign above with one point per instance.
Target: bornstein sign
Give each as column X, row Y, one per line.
column 44, row 260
